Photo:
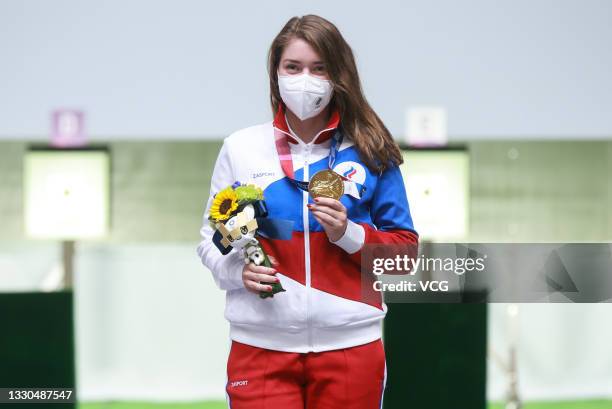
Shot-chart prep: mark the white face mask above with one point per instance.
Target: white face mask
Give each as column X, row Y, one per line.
column 306, row 96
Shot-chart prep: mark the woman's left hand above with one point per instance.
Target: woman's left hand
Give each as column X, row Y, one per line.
column 331, row 214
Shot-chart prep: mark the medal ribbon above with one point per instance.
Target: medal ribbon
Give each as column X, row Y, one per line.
column 284, row 154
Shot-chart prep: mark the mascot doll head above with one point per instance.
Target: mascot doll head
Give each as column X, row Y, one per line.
column 239, row 230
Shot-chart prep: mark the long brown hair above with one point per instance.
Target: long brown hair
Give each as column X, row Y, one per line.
column 374, row 142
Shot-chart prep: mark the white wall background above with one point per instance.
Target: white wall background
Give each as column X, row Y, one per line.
column 196, row 69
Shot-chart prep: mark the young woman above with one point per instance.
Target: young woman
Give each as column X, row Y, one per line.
column 318, row 344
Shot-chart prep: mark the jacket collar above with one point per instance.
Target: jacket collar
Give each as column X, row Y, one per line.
column 280, row 123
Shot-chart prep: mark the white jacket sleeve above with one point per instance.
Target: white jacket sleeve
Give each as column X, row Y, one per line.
column 226, row 269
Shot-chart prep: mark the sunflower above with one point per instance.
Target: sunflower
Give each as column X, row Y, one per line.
column 224, row 203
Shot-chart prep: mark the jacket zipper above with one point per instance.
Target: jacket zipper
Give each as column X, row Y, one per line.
column 305, row 221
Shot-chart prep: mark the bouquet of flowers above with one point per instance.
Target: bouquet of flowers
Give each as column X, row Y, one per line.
column 238, row 214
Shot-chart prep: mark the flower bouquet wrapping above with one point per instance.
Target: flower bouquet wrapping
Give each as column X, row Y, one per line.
column 238, row 215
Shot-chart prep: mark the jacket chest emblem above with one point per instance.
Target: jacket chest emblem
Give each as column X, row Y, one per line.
column 356, row 175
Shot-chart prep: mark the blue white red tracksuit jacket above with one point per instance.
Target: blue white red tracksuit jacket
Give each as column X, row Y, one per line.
column 322, row 308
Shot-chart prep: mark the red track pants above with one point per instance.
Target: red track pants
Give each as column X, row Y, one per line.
column 349, row 378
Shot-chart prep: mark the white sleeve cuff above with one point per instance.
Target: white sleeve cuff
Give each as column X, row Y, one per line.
column 353, row 238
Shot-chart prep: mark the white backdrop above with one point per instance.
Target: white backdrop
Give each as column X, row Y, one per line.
column 150, row 326
column 194, row 69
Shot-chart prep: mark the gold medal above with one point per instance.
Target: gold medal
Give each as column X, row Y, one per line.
column 326, row 183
